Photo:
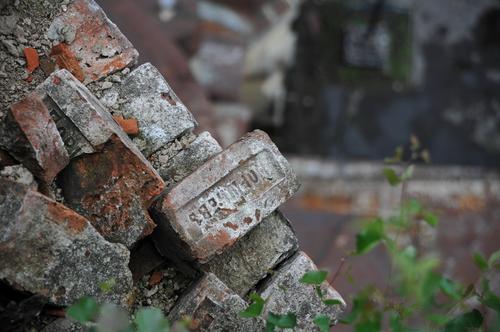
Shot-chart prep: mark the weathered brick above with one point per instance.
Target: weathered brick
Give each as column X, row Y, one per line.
column 48, row 249
column 30, row 135
column 174, row 169
column 252, row 258
column 223, row 199
column 146, row 96
column 115, row 194
column 98, row 43
column 285, row 293
column 214, row 307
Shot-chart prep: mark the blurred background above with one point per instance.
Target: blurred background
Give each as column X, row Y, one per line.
column 339, row 84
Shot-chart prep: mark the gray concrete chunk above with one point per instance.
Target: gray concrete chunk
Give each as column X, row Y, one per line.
column 214, row 307
column 48, row 249
column 254, row 256
column 284, row 293
column 223, row 199
column 147, row 97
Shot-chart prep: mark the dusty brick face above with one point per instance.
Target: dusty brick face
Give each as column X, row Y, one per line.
column 223, row 199
column 146, row 96
column 31, row 136
column 214, row 307
column 108, row 180
column 285, row 293
column 88, row 33
column 255, row 256
column 57, row 252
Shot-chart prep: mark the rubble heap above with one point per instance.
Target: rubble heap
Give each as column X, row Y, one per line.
column 102, row 176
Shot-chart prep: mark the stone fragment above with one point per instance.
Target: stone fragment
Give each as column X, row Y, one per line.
column 32, row 59
column 102, row 48
column 223, row 199
column 6, row 159
column 66, row 59
column 129, row 126
column 57, row 252
column 214, row 307
column 252, row 258
column 30, row 135
column 144, row 258
column 187, row 160
column 116, row 194
column 19, row 174
column 147, row 97
column 285, row 293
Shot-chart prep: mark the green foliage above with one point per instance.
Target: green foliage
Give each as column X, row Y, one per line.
column 287, row 321
column 468, row 321
column 151, row 320
column 314, row 277
column 322, row 322
column 370, row 235
column 108, row 286
column 255, row 308
column 85, row 310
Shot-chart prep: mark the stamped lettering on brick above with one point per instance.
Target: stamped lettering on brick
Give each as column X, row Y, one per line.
column 246, row 183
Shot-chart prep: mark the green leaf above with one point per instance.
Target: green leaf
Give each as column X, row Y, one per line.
column 450, row 288
column 491, row 300
column 314, row 277
column 108, row 286
column 255, row 308
column 270, row 327
column 465, row 322
column 151, row 320
column 430, row 218
column 480, row 261
column 408, row 173
column 369, row 237
column 319, row 291
column 85, row 310
column 287, row 321
column 322, row 322
column 395, row 322
column 493, row 258
column 391, row 176
column 332, row 302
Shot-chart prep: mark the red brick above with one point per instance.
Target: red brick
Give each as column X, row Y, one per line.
column 34, row 140
column 223, row 199
column 129, row 126
column 108, row 180
column 65, row 59
column 102, row 48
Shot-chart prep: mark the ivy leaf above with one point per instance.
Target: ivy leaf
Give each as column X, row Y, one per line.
column 493, row 258
column 255, row 308
column 408, row 173
column 85, row 310
column 270, row 327
column 450, row 288
column 322, row 322
column 391, row 176
column 465, row 322
column 151, row 320
column 314, row 277
column 480, row 261
column 287, row 321
column 430, row 218
column 369, row 237
column 332, row 302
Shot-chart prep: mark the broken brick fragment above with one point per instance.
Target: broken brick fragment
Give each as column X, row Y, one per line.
column 66, row 59
column 116, row 194
column 48, row 249
column 99, row 44
column 31, row 136
column 32, row 59
column 129, row 126
column 223, row 199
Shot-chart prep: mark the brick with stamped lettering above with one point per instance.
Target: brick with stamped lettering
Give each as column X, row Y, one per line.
column 223, row 199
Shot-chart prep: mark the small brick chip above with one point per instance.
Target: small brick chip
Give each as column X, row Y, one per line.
column 213, row 307
column 48, row 249
column 114, row 195
column 223, row 199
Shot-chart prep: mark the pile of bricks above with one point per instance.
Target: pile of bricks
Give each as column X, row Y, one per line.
column 93, row 189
